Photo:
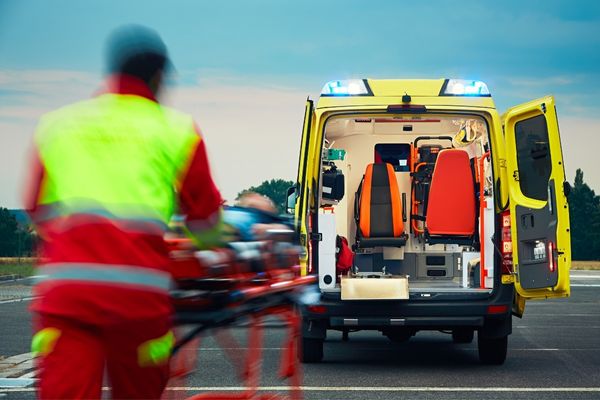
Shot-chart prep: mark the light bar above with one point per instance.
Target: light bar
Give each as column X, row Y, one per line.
column 463, row 87
column 349, row 87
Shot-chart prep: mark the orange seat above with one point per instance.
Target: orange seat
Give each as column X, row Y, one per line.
column 451, row 213
column 378, row 209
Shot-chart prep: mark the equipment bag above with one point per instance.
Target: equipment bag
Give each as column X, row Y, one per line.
column 344, row 257
column 333, row 184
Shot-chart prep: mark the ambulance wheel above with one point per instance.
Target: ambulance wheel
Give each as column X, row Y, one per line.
column 492, row 351
column 311, row 350
column 462, row 335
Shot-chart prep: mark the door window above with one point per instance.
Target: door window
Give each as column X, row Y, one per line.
column 533, row 157
column 397, row 154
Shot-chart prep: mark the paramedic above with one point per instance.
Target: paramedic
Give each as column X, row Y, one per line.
column 101, row 194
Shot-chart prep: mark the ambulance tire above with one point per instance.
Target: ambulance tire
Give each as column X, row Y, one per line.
column 462, row 335
column 492, row 351
column 311, row 350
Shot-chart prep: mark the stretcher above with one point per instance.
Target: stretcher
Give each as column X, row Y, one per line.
column 242, row 282
column 422, row 163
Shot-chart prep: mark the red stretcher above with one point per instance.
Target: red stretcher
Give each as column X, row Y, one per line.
column 246, row 281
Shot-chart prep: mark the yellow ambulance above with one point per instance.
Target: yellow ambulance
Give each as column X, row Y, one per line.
column 422, row 208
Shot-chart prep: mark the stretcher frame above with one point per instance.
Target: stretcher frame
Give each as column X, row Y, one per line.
column 278, row 297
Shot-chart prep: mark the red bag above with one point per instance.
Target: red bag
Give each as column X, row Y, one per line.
column 344, row 256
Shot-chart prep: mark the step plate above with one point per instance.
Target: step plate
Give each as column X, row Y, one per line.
column 394, row 288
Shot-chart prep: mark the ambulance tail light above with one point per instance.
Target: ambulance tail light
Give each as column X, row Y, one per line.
column 507, row 244
column 348, row 87
column 317, row 309
column 464, row 87
column 497, row 309
column 552, row 261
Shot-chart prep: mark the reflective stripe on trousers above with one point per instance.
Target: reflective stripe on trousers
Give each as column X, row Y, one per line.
column 143, row 277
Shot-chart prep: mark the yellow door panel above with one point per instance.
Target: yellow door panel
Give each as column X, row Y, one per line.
column 303, row 180
column 518, row 308
column 538, row 205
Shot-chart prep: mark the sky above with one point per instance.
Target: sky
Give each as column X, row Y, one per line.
column 245, row 68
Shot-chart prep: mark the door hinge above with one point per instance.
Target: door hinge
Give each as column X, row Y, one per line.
column 544, row 108
column 316, row 237
column 516, row 175
column 303, row 239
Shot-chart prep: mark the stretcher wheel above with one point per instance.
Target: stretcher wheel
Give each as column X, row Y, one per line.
column 311, row 350
column 462, row 335
column 492, row 351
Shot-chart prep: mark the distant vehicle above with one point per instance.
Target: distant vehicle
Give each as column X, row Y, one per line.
column 456, row 215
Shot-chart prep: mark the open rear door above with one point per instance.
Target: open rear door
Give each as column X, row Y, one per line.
column 303, row 185
column 538, row 204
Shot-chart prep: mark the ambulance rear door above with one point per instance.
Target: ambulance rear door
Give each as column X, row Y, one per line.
column 303, row 183
column 538, row 203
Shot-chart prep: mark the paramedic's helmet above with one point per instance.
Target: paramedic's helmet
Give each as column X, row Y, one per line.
column 138, row 51
column 465, row 136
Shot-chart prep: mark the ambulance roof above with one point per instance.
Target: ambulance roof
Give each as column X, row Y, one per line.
column 458, row 93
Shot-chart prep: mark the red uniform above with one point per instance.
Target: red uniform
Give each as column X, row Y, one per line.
column 103, row 300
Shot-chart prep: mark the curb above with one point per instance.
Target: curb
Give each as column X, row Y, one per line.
column 11, row 277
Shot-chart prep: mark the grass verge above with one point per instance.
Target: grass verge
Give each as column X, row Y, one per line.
column 20, row 269
column 585, row 265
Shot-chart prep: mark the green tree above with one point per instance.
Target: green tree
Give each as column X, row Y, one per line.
column 17, row 237
column 584, row 210
column 275, row 189
column 8, row 233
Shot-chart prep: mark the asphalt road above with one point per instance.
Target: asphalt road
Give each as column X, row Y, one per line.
column 554, row 353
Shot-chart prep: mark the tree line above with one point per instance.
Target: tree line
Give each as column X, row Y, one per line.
column 584, row 210
column 18, row 239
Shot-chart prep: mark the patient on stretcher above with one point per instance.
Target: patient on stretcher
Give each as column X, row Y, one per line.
column 254, row 217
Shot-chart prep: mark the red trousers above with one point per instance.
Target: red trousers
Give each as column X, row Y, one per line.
column 74, row 364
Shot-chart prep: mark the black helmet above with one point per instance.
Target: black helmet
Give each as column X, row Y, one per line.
column 136, row 50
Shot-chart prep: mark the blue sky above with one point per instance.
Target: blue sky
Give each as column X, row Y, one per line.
column 51, row 52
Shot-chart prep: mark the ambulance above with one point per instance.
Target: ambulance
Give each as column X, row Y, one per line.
column 420, row 207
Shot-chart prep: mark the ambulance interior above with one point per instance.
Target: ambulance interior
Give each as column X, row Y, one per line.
column 412, row 195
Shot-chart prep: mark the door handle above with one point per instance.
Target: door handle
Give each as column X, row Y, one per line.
column 527, row 221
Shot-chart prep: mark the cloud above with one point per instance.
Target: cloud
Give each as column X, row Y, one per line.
column 528, row 82
column 30, row 93
column 580, row 138
column 252, row 128
column 575, row 94
column 252, row 131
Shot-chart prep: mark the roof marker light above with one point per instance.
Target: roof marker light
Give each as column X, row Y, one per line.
column 349, row 87
column 463, row 87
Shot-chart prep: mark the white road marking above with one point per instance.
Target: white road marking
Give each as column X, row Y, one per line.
column 16, row 300
column 585, row 276
column 361, row 389
column 236, row 348
column 559, row 326
column 561, row 315
column 584, row 285
column 29, row 375
column 392, row 389
column 16, row 366
column 19, row 383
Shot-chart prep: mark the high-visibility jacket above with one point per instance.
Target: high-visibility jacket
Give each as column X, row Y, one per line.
column 112, row 171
